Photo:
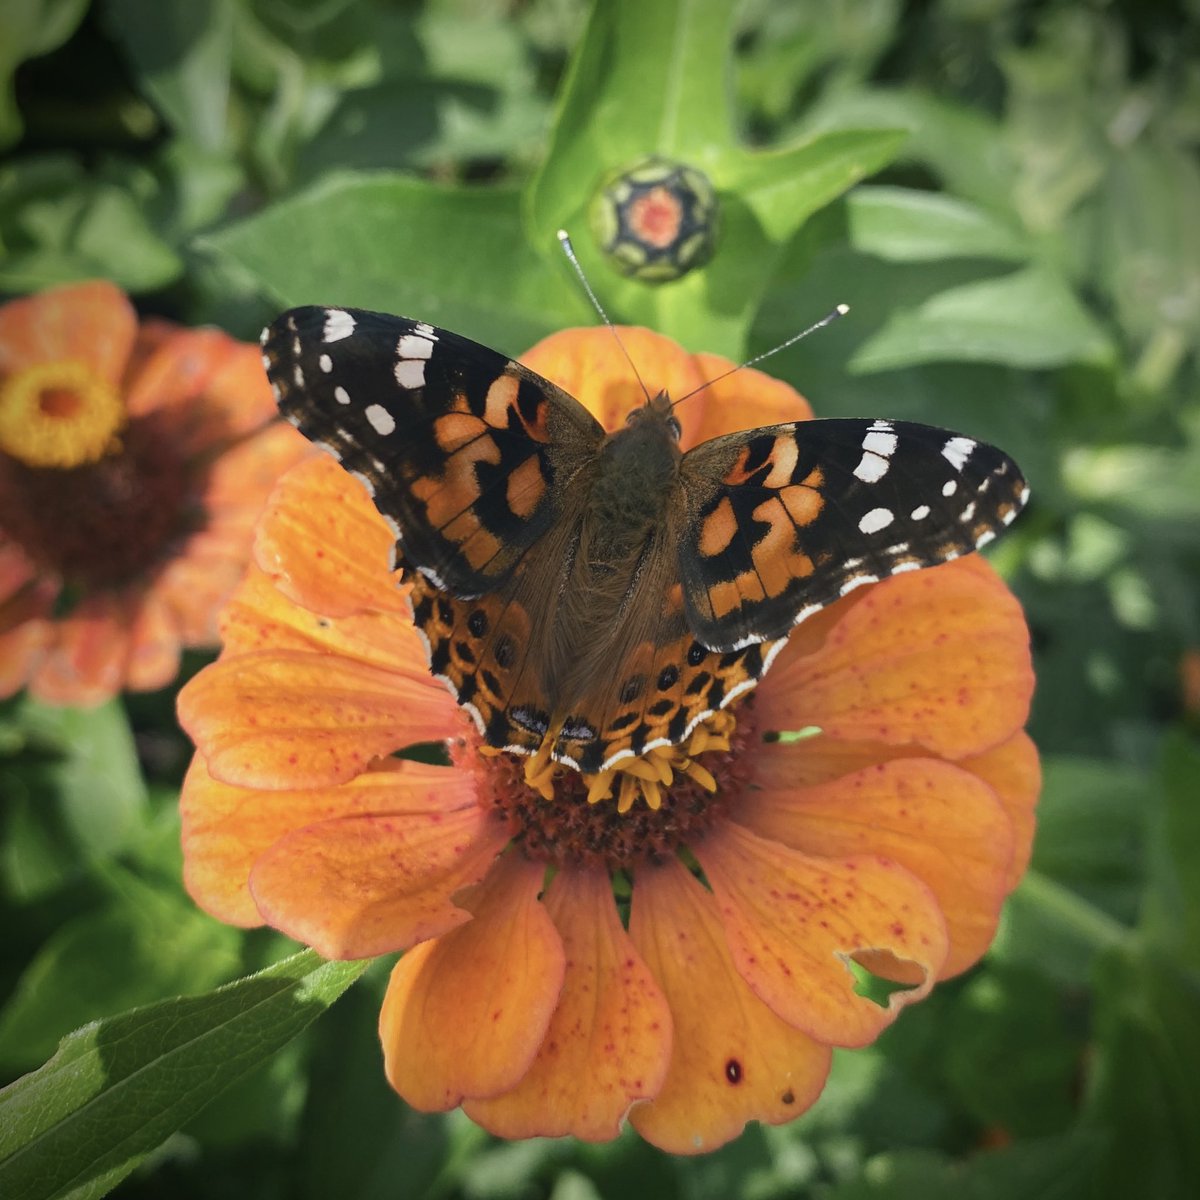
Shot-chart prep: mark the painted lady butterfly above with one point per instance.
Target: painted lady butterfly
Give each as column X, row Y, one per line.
column 604, row 593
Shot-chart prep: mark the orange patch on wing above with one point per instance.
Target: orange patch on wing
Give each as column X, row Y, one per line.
column 803, row 503
column 454, row 430
column 464, row 1015
column 717, row 529
column 525, row 488
column 498, row 403
column 724, row 598
column 478, row 544
column 784, row 456
column 775, row 558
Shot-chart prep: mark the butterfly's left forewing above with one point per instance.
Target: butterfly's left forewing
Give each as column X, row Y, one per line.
column 782, row 521
column 466, row 453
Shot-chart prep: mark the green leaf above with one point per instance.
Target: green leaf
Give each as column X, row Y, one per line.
column 118, row 1088
column 181, row 54
column 453, row 256
column 1027, row 319
column 27, row 30
column 59, row 224
column 1146, row 1070
column 165, row 946
column 75, row 792
column 907, row 225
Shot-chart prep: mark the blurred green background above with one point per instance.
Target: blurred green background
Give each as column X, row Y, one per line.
column 1008, row 197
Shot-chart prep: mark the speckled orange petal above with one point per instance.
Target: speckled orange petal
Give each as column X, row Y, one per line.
column 609, row 1040
column 937, row 657
column 589, row 364
column 744, row 400
column 1015, row 774
column 239, row 481
column 464, row 1015
column 226, row 828
column 84, row 664
column 359, row 886
column 322, row 537
column 732, row 1059
column 819, row 759
column 153, row 643
column 278, row 719
column 92, row 323
column 936, row 820
column 175, row 366
column 794, row 920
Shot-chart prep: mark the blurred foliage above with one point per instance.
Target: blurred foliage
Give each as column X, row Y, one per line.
column 1024, row 266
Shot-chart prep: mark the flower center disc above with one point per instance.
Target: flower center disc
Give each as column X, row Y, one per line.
column 573, row 828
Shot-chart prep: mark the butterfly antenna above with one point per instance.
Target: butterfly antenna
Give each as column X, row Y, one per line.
column 828, row 319
column 569, row 250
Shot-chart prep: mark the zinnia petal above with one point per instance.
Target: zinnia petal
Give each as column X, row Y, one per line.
column 609, row 1040
column 934, row 819
column 358, row 886
column 794, row 921
column 324, row 540
column 90, row 323
column 1014, row 772
column 939, row 658
column 314, row 719
column 732, row 1059
column 84, row 662
column 226, row 828
column 465, row 1014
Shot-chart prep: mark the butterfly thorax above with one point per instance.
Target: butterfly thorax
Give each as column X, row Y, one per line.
column 636, row 470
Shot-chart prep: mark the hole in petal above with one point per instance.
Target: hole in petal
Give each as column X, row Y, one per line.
column 879, row 975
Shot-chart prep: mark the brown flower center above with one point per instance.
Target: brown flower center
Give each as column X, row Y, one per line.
column 100, row 522
column 573, row 828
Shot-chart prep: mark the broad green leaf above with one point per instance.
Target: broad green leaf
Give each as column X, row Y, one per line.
column 75, row 793
column 182, row 55
column 119, row 1087
column 28, row 29
column 1029, row 318
column 165, row 946
column 907, row 225
column 455, row 256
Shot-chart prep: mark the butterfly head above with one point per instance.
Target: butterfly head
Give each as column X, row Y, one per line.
column 656, row 413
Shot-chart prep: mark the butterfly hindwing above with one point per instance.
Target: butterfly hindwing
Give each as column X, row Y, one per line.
column 781, row 521
column 463, row 450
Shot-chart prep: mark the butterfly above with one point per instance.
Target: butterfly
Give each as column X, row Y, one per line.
column 594, row 595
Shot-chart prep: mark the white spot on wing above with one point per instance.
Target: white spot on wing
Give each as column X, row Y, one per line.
column 381, row 420
column 410, row 373
column 413, row 345
column 957, row 450
column 325, row 363
column 1023, row 498
column 949, row 487
column 298, row 376
column 878, row 441
column 920, row 512
column 338, row 324
column 856, row 582
column 968, row 512
column 341, row 395
column 871, row 468
column 901, row 567
column 875, row 520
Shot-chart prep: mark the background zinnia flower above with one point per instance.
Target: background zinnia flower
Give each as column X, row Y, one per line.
column 134, row 459
column 831, row 879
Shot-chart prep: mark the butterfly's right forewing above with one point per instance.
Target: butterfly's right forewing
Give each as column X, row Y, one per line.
column 465, row 452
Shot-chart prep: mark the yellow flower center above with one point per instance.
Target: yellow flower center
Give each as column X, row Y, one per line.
column 58, row 414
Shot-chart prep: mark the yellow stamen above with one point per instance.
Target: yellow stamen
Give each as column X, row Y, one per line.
column 59, row 414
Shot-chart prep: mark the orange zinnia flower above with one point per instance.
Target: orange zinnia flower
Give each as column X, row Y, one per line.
column 134, row 459
column 708, row 989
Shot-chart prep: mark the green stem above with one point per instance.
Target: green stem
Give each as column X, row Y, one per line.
column 1089, row 923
